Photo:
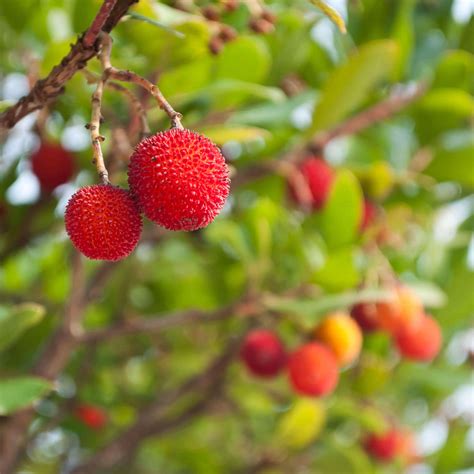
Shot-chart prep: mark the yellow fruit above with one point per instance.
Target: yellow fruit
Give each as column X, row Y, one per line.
column 301, row 424
column 342, row 335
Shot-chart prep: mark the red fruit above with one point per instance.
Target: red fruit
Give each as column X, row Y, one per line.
column 421, row 342
column 263, row 353
column 313, row 370
column 103, row 222
column 52, row 165
column 91, row 416
column 369, row 213
column 365, row 315
column 384, row 447
column 319, row 177
column 180, row 179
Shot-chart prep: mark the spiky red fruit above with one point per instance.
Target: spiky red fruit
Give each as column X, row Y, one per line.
column 103, row 222
column 369, row 213
column 319, row 177
column 365, row 315
column 180, row 179
column 313, row 370
column 420, row 342
column 263, row 353
column 91, row 416
column 52, row 165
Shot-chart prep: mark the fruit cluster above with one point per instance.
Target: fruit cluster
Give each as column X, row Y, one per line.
column 416, row 335
column 178, row 179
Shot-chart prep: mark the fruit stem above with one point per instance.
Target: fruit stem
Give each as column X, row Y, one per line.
column 130, row 76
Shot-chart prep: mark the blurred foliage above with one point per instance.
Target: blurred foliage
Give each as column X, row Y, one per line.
column 259, row 98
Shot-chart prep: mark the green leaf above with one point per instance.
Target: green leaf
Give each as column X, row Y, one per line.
column 350, row 84
column 315, row 307
column 301, row 424
column 453, row 163
column 455, row 70
column 245, row 59
column 137, row 16
column 342, row 214
column 339, row 271
column 332, row 14
column 225, row 133
column 21, row 392
column 16, row 320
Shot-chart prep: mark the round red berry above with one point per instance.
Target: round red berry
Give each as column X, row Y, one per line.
column 103, row 222
column 313, row 370
column 385, row 446
column 319, row 177
column 263, row 353
column 369, row 213
column 365, row 314
column 420, row 342
column 52, row 165
column 91, row 416
column 180, row 179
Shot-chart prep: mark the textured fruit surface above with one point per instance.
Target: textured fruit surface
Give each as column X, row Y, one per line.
column 52, row 165
column 180, row 179
column 263, row 353
column 421, row 342
column 369, row 213
column 103, row 222
column 313, row 370
column 365, row 314
column 384, row 447
column 91, row 416
column 403, row 309
column 342, row 335
column 319, row 177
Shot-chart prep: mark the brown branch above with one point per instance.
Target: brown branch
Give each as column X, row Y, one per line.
column 153, row 420
column 381, row 111
column 155, row 324
column 93, row 32
column 47, row 89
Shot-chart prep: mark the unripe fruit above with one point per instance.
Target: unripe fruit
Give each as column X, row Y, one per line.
column 180, row 179
column 365, row 314
column 91, row 416
column 52, row 165
column 421, row 342
column 313, row 370
column 263, row 353
column 384, row 447
column 103, row 222
column 342, row 335
column 369, row 213
column 319, row 177
column 404, row 309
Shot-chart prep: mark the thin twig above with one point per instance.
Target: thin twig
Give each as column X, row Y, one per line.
column 96, row 137
column 381, row 111
column 129, row 76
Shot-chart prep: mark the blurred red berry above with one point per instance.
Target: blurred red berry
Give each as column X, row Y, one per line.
column 420, row 342
column 313, row 370
column 365, row 314
column 384, row 447
column 263, row 353
column 369, row 213
column 52, row 165
column 319, row 177
column 91, row 416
